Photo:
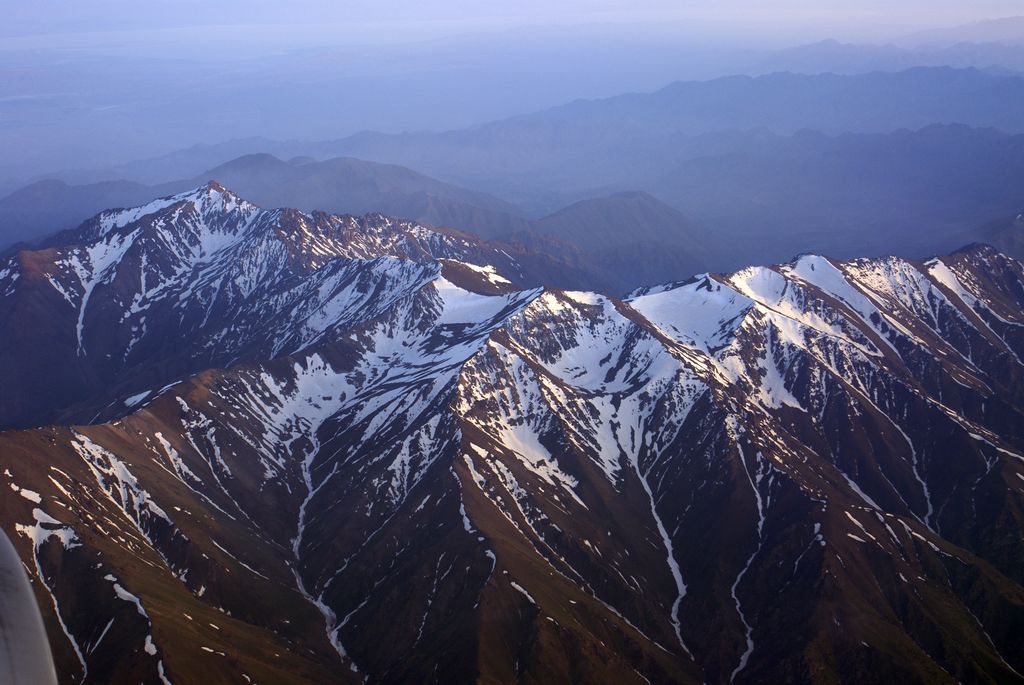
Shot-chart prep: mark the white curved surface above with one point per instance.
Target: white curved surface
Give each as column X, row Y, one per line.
column 25, row 657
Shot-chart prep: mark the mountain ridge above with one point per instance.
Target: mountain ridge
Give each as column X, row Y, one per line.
column 339, row 184
column 597, row 257
column 746, row 477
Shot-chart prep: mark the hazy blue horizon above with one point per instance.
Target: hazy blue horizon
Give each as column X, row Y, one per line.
column 110, row 82
column 405, row 20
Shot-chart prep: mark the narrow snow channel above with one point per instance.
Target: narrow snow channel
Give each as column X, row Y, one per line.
column 760, row 541
column 677, row 575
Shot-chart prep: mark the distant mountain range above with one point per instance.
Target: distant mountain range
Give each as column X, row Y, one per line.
column 1003, row 30
column 877, row 102
column 601, row 242
column 717, row 202
column 995, row 45
column 630, row 191
column 909, row 192
column 266, row 445
column 337, row 185
column 592, row 143
column 832, row 56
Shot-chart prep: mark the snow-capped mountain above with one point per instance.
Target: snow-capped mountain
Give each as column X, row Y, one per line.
column 206, row 279
column 311, row 448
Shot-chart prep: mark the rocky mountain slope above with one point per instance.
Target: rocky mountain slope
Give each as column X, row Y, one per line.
column 305, row 448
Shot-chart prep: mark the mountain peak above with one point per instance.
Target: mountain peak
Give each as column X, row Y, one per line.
column 213, row 195
column 475, row 454
column 208, row 200
column 216, row 187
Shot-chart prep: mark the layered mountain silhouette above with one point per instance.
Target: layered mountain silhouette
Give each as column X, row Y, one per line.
column 738, row 197
column 782, row 102
column 340, row 185
column 909, row 163
column 603, row 241
column 589, row 142
column 275, row 446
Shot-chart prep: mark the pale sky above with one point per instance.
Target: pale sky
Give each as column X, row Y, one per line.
column 90, row 83
column 433, row 18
